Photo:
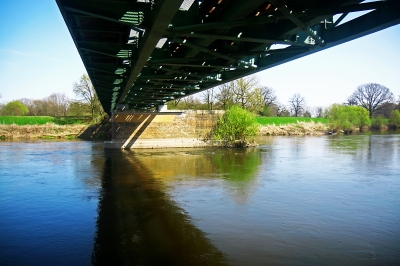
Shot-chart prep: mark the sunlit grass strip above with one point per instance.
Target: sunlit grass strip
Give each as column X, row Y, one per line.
column 25, row 120
column 262, row 120
column 42, row 120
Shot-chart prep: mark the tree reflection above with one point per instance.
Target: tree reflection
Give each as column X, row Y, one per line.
column 238, row 168
column 138, row 223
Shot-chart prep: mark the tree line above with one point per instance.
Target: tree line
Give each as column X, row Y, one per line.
column 245, row 92
column 86, row 103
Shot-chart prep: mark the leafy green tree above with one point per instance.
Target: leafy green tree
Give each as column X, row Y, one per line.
column 394, row 118
column 236, row 126
column 348, row 118
column 15, row 108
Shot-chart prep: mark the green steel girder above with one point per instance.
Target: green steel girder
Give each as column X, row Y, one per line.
column 243, row 39
column 135, row 15
column 163, row 11
column 182, row 52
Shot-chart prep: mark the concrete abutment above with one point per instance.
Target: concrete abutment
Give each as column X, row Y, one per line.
column 170, row 129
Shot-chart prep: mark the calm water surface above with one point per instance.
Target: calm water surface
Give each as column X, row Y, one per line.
column 331, row 200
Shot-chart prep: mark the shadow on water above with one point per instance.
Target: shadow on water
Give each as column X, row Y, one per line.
column 139, row 224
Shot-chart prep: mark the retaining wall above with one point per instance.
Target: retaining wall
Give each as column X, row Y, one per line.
column 161, row 129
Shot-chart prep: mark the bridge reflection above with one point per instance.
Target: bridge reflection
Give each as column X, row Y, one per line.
column 139, row 224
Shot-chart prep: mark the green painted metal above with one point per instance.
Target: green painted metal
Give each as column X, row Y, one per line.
column 143, row 53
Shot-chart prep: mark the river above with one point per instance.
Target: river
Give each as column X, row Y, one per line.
column 327, row 200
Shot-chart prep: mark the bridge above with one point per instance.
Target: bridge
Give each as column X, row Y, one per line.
column 140, row 54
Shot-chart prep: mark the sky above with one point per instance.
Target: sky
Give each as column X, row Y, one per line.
column 38, row 58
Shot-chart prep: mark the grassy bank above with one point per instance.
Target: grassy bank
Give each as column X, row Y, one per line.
column 262, row 120
column 42, row 120
column 47, row 127
column 47, row 131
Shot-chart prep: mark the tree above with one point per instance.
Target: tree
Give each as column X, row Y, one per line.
column 15, row 108
column 208, row 97
column 371, row 96
column 297, row 104
column 395, row 118
column 244, row 92
column 319, row 112
column 58, row 104
column 85, row 92
column 1, row 106
column 348, row 117
column 268, row 95
column 225, row 96
column 77, row 108
column 243, row 89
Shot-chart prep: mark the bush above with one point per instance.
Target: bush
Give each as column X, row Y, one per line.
column 379, row 122
column 394, row 118
column 235, row 126
column 347, row 118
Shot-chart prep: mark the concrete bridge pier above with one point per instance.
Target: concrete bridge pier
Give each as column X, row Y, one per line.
column 169, row 129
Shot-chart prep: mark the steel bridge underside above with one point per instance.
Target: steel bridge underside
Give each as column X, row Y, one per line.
column 143, row 53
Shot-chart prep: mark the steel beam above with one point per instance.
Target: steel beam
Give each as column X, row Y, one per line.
column 243, row 39
column 298, row 22
column 168, row 77
column 198, row 66
column 163, row 12
column 203, row 49
column 176, row 71
column 227, row 24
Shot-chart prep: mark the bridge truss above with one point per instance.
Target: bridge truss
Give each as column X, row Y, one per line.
column 144, row 53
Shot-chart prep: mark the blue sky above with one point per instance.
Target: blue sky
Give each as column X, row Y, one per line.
column 38, row 57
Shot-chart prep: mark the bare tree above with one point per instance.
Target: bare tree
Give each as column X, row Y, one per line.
column 297, row 104
column 85, row 92
column 191, row 102
column 58, row 104
column 319, row 112
column 268, row 95
column 208, row 96
column 282, row 110
column 225, row 96
column 371, row 96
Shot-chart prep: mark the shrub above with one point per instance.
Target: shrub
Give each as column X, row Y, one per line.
column 348, row 118
column 394, row 118
column 379, row 122
column 235, row 126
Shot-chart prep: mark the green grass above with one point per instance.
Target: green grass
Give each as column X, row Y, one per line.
column 263, row 120
column 41, row 120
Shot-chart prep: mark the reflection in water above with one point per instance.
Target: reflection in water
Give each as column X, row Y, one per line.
column 238, row 168
column 328, row 200
column 138, row 223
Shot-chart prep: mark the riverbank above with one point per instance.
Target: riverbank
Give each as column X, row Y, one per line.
column 46, row 131
column 299, row 128
column 50, row 130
